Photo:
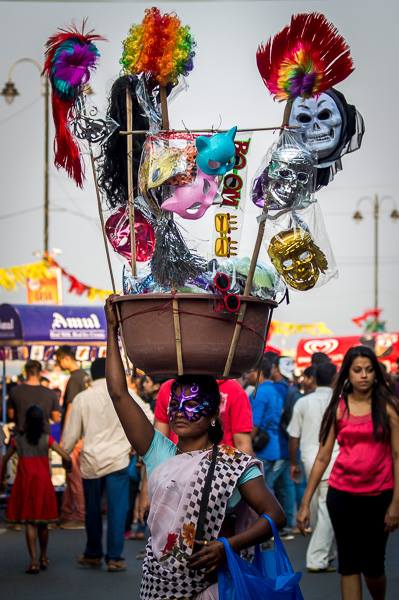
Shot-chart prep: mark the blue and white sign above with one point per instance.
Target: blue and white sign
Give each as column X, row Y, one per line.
column 76, row 325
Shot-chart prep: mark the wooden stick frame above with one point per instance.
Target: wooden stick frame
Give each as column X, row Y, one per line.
column 130, row 132
column 258, row 243
column 252, row 267
column 175, row 301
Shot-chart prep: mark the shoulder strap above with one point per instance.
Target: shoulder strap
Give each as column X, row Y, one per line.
column 199, row 533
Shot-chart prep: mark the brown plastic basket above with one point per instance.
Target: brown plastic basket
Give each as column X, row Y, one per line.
column 149, row 333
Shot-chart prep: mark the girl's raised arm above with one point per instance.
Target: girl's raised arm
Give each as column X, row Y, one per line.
column 138, row 429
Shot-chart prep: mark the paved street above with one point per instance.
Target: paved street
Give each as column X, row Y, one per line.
column 65, row 581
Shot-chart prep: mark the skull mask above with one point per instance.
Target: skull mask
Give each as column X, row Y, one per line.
column 297, row 258
column 320, row 121
column 290, row 177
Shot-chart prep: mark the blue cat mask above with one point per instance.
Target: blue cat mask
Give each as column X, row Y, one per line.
column 216, row 154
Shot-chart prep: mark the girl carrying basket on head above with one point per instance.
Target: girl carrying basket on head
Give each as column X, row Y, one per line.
column 199, row 491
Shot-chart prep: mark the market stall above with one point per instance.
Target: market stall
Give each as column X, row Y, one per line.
column 32, row 331
column 28, row 331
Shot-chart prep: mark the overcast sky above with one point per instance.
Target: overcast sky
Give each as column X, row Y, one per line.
column 224, row 82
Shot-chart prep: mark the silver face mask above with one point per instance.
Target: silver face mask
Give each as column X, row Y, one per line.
column 290, row 178
column 320, row 121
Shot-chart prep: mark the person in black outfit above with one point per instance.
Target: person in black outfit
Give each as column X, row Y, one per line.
column 73, row 506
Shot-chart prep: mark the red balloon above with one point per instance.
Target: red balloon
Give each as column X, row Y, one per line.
column 117, row 229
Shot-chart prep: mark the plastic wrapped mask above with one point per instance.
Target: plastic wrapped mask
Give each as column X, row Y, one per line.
column 159, row 166
column 193, row 200
column 216, row 154
column 321, row 121
column 297, row 258
column 117, row 229
column 290, row 178
column 188, row 175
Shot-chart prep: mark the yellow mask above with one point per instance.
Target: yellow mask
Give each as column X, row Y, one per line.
column 297, row 258
column 160, row 166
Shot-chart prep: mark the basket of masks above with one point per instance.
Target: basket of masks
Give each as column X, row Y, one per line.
column 180, row 309
column 192, row 301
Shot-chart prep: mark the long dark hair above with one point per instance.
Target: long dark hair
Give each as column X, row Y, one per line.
column 381, row 395
column 34, row 424
column 112, row 171
column 209, row 388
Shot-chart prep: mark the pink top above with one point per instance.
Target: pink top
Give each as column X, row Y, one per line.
column 363, row 465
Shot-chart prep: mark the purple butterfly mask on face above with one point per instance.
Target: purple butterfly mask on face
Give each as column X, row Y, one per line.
column 191, row 404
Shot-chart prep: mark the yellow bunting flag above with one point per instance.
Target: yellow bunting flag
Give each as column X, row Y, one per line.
column 13, row 276
column 285, row 328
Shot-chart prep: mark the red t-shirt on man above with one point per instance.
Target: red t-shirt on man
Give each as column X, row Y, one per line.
column 235, row 409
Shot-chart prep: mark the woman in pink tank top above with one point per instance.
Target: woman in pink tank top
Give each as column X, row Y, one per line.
column 363, row 495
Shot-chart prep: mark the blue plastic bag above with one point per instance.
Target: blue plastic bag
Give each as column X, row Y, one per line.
column 269, row 576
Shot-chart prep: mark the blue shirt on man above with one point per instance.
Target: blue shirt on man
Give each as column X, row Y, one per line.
column 267, row 407
column 289, row 395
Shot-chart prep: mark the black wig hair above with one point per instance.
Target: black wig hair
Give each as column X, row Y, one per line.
column 112, row 170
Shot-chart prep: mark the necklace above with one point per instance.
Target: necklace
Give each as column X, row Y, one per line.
column 180, row 451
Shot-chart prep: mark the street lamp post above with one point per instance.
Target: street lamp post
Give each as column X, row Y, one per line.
column 9, row 93
column 376, row 202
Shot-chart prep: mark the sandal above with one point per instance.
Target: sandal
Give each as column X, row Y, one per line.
column 44, row 563
column 33, row 570
column 115, row 566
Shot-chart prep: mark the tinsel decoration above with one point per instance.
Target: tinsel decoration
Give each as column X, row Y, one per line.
column 304, row 59
column 160, row 47
column 70, row 57
column 172, row 263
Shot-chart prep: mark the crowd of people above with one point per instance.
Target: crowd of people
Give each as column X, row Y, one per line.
column 189, row 460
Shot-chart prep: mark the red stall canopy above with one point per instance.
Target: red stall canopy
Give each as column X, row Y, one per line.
column 385, row 345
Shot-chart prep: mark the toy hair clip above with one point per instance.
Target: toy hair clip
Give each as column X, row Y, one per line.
column 225, row 223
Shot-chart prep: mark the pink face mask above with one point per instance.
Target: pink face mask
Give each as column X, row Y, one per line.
column 117, row 229
column 193, row 200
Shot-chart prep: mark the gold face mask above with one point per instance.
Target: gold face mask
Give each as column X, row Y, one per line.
column 297, row 258
column 160, row 166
